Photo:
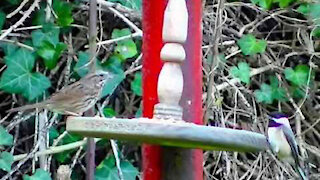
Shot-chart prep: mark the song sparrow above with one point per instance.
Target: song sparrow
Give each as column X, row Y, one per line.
column 75, row 98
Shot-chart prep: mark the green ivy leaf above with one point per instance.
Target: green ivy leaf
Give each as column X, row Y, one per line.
column 268, row 93
column 116, row 33
column 139, row 111
column 132, row 4
column 249, row 45
column 316, row 32
column 112, row 83
column 82, row 66
column 278, row 93
column 39, row 17
column 136, row 84
column 265, row 4
column 284, row 3
column 108, row 171
column 14, row 2
column 6, row 139
column 109, row 112
column 18, row 78
column 8, row 48
column 242, row 72
column 315, row 10
column 299, row 76
column 126, row 48
column 50, row 53
column 66, row 156
column 40, row 174
column 64, row 12
column 113, row 65
column 6, row 160
column 304, row 8
column 2, row 19
column 264, row 94
column 297, row 92
column 51, row 36
column 53, row 134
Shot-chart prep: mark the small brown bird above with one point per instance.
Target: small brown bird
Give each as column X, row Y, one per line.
column 75, row 98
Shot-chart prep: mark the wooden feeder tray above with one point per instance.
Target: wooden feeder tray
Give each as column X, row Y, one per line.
column 168, row 133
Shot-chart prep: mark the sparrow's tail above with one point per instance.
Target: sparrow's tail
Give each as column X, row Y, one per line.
column 301, row 173
column 28, row 107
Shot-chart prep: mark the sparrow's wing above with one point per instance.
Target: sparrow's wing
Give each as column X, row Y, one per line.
column 292, row 142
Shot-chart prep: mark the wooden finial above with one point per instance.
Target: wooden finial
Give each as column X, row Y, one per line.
column 170, row 83
column 175, row 23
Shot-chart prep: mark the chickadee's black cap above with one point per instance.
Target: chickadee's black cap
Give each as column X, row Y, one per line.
column 278, row 115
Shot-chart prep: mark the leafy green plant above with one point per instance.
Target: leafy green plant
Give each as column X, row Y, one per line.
column 8, row 48
column 82, row 66
column 39, row 17
column 19, row 78
column 312, row 11
column 51, row 35
column 6, row 139
column 139, row 112
column 48, row 46
column 40, row 174
column 299, row 75
column 53, row 134
column 63, row 10
column 249, row 45
column 132, row 4
column 2, row 19
column 6, row 160
column 107, row 170
column 136, row 84
column 109, row 112
column 66, row 156
column 242, row 72
column 268, row 93
column 267, row 4
column 125, row 48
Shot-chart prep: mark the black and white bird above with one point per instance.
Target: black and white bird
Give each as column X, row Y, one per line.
column 282, row 141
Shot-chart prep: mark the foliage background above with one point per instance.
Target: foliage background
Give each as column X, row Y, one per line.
column 265, row 59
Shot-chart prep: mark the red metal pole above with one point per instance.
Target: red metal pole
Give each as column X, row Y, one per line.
column 191, row 100
column 153, row 159
column 152, row 13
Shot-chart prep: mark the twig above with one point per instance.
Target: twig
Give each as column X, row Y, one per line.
column 43, row 138
column 55, row 149
column 18, row 44
column 23, row 18
column 24, row 2
column 126, row 20
column 48, row 10
column 91, row 148
column 237, row 80
column 215, row 51
column 120, row 8
column 116, row 156
column 110, row 41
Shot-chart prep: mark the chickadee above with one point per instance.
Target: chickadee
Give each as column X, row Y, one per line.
column 282, row 141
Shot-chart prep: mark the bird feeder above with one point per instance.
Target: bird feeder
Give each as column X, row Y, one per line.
column 172, row 106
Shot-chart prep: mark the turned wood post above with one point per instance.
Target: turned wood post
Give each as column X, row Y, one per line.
column 176, row 163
